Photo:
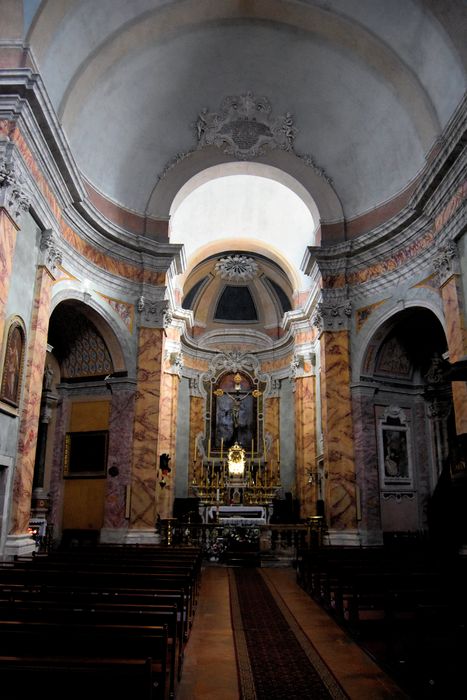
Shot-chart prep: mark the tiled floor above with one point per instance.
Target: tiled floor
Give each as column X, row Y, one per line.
column 210, row 671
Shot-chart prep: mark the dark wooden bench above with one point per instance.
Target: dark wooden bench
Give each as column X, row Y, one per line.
column 104, row 642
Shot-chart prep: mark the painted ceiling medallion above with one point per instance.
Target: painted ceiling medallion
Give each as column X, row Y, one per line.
column 244, row 128
column 236, row 268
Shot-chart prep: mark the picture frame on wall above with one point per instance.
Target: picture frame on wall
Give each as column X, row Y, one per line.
column 85, row 455
column 394, row 449
column 13, row 362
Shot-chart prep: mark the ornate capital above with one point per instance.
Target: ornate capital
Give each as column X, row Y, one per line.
column 333, row 314
column 194, row 386
column 153, row 314
column 446, row 262
column 14, row 195
column 51, row 255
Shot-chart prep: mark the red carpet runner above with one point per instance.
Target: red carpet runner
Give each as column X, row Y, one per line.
column 275, row 658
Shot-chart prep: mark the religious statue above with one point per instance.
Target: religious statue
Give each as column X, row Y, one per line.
column 235, row 421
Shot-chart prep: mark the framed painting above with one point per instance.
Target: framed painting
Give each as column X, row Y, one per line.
column 10, row 387
column 395, row 461
column 86, row 455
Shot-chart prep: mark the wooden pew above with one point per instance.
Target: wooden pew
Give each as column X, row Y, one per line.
column 113, row 643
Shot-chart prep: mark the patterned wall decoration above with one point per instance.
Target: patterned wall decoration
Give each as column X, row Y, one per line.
column 363, row 314
column 393, row 360
column 7, row 248
column 82, row 351
column 123, row 309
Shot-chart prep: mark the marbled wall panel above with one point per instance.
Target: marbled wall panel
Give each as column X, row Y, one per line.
column 8, row 232
column 56, row 477
column 366, row 460
column 36, row 352
column 271, row 426
column 196, row 426
column 337, row 430
column 457, row 344
column 167, row 437
column 146, row 429
column 305, row 443
column 120, row 436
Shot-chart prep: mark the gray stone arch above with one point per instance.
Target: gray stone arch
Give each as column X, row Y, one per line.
column 109, row 325
column 395, row 400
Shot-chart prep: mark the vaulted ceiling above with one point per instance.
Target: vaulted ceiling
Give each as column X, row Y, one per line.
column 370, row 84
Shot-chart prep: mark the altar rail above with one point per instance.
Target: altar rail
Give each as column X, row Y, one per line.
column 216, row 539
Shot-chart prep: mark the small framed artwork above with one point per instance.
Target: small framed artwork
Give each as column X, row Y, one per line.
column 394, row 440
column 86, row 454
column 12, row 372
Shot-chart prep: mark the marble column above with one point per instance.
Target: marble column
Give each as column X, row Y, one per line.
column 167, row 437
column 366, row 455
column 305, row 439
column 339, row 458
column 447, row 267
column 18, row 540
column 14, row 202
column 119, row 461
column 196, row 427
column 145, row 441
column 271, row 428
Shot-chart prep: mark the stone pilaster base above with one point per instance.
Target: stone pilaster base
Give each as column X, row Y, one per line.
column 142, row 537
column 109, row 535
column 343, row 538
column 19, row 545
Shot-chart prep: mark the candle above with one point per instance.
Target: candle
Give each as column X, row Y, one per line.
column 195, row 450
column 277, row 448
column 217, row 494
column 222, row 447
column 252, row 448
column 209, row 448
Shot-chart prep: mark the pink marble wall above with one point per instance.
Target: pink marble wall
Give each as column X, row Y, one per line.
column 366, row 459
column 120, row 454
column 196, row 426
column 36, row 352
column 8, row 233
column 339, row 459
column 167, row 436
column 457, row 343
column 56, row 477
column 146, row 429
column 305, row 443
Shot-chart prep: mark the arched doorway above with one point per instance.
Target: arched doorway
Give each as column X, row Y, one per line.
column 404, row 424
column 75, row 454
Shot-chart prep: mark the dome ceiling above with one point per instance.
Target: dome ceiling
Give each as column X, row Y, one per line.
column 370, row 83
column 237, row 292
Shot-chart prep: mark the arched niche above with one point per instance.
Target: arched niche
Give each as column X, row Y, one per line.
column 403, row 423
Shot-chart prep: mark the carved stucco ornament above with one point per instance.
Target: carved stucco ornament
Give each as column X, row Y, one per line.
column 333, row 315
column 14, row 195
column 446, row 262
column 243, row 127
column 153, row 313
column 236, row 268
column 50, row 250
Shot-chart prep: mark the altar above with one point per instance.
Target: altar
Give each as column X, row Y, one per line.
column 236, row 515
